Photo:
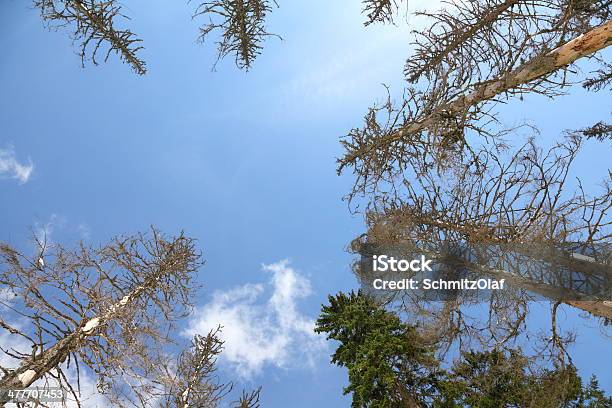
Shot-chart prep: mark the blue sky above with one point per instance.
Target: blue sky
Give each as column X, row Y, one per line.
column 244, row 162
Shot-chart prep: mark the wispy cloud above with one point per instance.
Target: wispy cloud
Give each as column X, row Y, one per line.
column 340, row 72
column 258, row 333
column 84, row 231
column 44, row 231
column 11, row 168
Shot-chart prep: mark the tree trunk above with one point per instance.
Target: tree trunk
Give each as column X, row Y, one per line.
column 31, row 370
column 599, row 308
column 597, row 39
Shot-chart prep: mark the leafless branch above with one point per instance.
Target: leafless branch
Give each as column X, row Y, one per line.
column 94, row 29
column 242, row 24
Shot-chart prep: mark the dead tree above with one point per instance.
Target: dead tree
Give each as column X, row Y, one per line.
column 437, row 164
column 192, row 382
column 475, row 54
column 498, row 213
column 109, row 312
column 379, row 11
column 109, row 309
column 499, row 196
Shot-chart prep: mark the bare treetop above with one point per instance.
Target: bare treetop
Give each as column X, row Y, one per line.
column 110, row 309
column 242, row 26
column 94, row 29
column 472, row 41
column 475, row 54
column 192, row 382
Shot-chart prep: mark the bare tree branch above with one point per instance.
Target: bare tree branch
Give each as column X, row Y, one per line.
column 364, row 150
column 379, row 11
column 242, row 26
column 93, row 22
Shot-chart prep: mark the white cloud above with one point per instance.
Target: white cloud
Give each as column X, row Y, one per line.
column 257, row 333
column 10, row 167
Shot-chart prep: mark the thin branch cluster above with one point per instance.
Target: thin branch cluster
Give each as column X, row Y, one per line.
column 504, row 196
column 95, row 32
column 599, row 131
column 379, row 11
column 242, row 26
column 601, row 79
column 498, row 213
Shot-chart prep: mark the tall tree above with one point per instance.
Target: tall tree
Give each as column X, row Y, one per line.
column 439, row 163
column 391, row 365
column 111, row 311
column 498, row 204
column 508, row 379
